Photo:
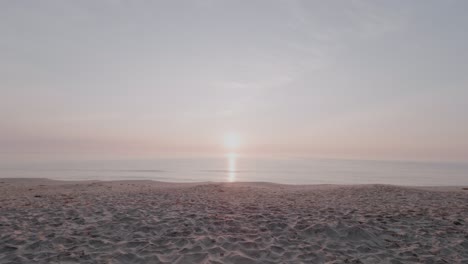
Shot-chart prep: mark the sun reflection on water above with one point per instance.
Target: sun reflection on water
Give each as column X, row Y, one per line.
column 231, row 167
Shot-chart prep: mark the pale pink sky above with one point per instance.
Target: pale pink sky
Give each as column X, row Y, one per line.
column 352, row 79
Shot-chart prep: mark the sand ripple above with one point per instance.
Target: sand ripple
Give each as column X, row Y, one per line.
column 150, row 222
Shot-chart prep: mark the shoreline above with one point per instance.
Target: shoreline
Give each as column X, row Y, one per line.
column 50, row 221
column 48, row 181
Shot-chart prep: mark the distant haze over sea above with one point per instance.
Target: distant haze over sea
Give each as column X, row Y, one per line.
column 232, row 168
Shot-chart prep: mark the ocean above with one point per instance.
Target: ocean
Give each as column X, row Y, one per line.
column 242, row 169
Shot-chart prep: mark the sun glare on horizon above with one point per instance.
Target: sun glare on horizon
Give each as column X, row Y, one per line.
column 232, row 140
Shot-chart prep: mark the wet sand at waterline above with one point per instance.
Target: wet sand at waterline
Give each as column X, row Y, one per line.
column 46, row 221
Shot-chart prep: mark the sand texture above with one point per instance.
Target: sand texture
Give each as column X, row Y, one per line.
column 44, row 221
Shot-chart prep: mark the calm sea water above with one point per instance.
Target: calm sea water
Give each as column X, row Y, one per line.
column 232, row 168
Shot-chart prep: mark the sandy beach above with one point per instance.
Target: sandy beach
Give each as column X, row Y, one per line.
column 45, row 221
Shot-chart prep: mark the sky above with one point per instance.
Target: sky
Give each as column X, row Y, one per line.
column 140, row 79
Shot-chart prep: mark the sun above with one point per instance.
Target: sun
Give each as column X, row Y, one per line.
column 231, row 140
